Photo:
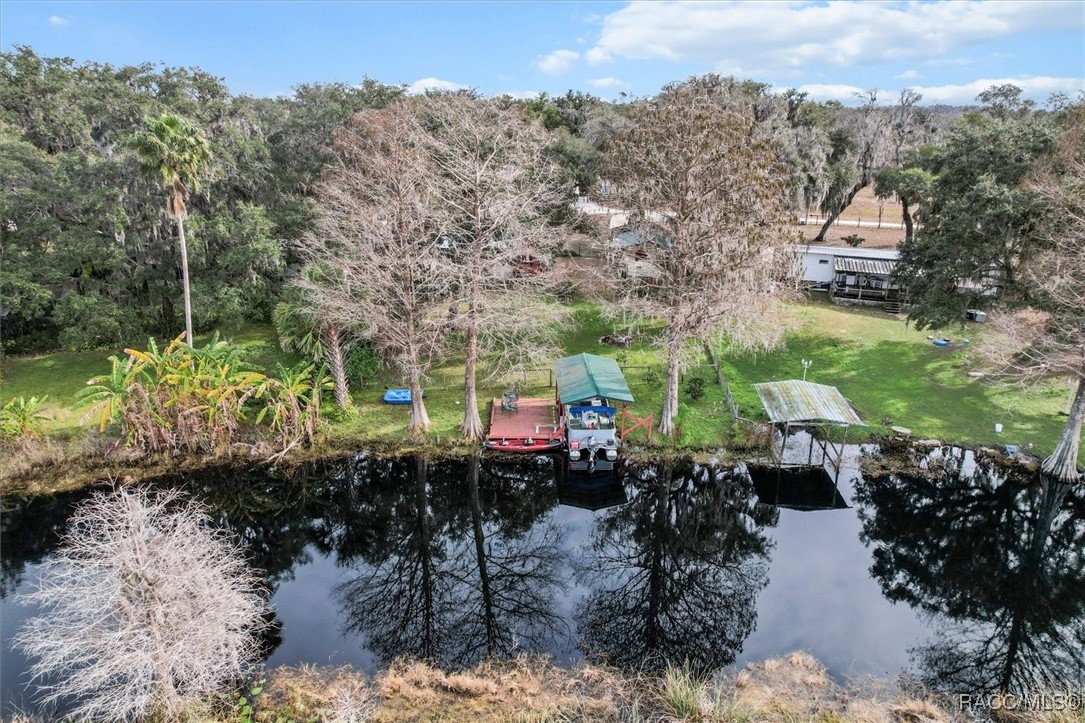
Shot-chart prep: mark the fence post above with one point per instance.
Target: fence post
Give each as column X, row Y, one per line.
column 722, row 380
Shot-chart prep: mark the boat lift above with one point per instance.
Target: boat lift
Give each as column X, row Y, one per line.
column 798, row 404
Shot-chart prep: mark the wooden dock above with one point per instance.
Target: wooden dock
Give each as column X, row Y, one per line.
column 530, row 428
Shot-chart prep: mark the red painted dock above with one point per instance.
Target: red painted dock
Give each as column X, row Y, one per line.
column 532, row 427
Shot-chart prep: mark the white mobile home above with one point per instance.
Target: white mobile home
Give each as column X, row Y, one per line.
column 852, row 274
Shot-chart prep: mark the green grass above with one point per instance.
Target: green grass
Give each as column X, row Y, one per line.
column 63, row 374
column 887, row 370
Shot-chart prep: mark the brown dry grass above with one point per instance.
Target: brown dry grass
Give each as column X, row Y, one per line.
column 873, row 238
column 783, row 690
column 866, row 208
column 792, row 689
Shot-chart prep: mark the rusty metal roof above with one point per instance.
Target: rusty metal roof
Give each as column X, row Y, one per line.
column 864, row 266
column 796, row 401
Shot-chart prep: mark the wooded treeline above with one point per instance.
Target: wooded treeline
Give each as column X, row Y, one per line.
column 89, row 256
column 90, row 259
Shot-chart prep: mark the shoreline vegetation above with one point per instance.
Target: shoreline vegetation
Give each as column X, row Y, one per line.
column 794, row 687
column 926, row 389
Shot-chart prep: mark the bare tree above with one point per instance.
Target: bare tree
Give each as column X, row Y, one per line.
column 711, row 254
column 860, row 148
column 1048, row 338
column 148, row 609
column 497, row 185
column 374, row 251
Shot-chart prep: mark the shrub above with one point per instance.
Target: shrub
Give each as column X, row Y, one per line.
column 147, row 609
column 695, row 387
column 203, row 398
column 853, row 240
column 21, row 418
column 363, row 363
column 90, row 322
column 652, row 377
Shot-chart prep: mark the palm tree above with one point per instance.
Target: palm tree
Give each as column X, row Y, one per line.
column 302, row 331
column 305, row 323
column 175, row 151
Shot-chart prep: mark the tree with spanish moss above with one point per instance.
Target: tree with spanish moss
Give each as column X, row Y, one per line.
column 376, row 265
column 711, row 254
column 496, row 186
column 1046, row 338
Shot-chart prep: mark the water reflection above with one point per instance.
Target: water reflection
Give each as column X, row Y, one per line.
column 997, row 562
column 455, row 560
column 675, row 573
column 465, row 567
column 31, row 528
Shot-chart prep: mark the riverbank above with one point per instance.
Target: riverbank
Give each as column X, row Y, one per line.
column 788, row 689
column 792, row 688
column 891, row 373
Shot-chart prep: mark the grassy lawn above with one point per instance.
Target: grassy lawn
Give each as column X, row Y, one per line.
column 887, row 369
column 890, row 370
column 63, row 374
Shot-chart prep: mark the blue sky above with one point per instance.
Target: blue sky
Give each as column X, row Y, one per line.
column 949, row 51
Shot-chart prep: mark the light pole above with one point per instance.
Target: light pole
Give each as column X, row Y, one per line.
column 806, row 365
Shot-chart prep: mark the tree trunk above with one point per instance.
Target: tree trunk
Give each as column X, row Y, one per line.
column 835, row 214
column 184, row 280
column 428, row 644
column 670, row 399
column 488, row 616
column 471, row 427
column 337, row 365
column 419, row 417
column 1062, row 464
column 657, row 575
column 906, row 213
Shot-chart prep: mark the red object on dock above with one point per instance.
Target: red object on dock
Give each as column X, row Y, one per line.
column 530, row 428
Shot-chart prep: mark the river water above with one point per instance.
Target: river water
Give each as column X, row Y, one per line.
column 964, row 577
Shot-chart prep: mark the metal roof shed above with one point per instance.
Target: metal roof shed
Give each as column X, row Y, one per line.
column 585, row 376
column 805, row 404
column 795, row 401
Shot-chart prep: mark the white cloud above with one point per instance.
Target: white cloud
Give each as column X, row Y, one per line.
column 598, row 56
column 421, row 86
column 796, row 34
column 829, row 91
column 907, row 75
column 557, row 62
column 58, row 21
column 1037, row 88
column 521, row 94
column 608, row 82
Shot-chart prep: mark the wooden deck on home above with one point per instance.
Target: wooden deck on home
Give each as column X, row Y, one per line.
column 531, row 427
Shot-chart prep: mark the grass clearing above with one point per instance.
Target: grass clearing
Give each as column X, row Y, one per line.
column 887, row 369
column 63, row 374
column 891, row 371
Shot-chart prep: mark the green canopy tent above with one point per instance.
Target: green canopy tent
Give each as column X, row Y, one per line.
column 587, row 376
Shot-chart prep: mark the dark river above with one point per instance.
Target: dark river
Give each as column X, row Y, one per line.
column 964, row 578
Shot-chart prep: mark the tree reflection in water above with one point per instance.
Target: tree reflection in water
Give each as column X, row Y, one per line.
column 675, row 574
column 31, row 527
column 453, row 563
column 998, row 562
